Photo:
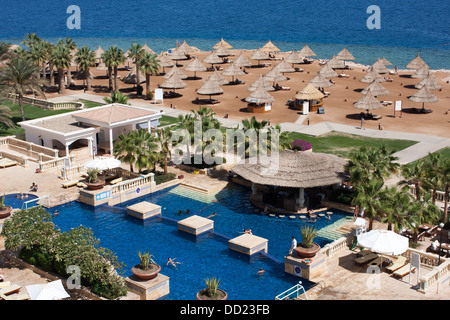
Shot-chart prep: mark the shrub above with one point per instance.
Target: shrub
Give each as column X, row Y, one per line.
column 344, row 196
column 161, row 178
column 45, row 260
column 301, row 145
column 139, row 90
column 149, row 95
column 212, row 284
column 308, row 235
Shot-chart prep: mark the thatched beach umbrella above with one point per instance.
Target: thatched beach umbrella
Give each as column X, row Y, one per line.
column 195, row 66
column 210, row 88
column 422, row 72
column 335, row 63
column 416, row 63
column 101, row 67
column 274, row 75
column 177, row 55
column 283, row 67
column 270, row 47
column 327, row 71
column 216, row 76
column 385, row 61
column 260, row 96
column 309, row 92
column 259, row 55
column 378, row 67
column 295, row 170
column 345, row 55
column 368, row 102
column 242, row 61
column 99, row 52
column 376, row 88
column 320, row 81
column 174, row 82
column 173, row 70
column 147, row 49
column 258, row 82
column 185, row 48
column 430, row 81
column 222, row 43
column 131, row 77
column 294, row 58
column 372, row 75
column 423, row 95
column 165, row 61
column 223, row 52
column 306, row 52
column 233, row 71
column 213, row 58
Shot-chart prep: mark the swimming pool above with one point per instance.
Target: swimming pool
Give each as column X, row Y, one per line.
column 16, row 202
column 201, row 257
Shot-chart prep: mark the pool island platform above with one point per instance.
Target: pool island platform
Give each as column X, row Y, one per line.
column 196, row 225
column 248, row 244
column 144, row 210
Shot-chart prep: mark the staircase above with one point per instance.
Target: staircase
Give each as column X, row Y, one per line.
column 335, row 231
column 191, row 193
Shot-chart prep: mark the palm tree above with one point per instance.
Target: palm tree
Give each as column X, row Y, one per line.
column 148, row 64
column 5, row 117
column 85, row 59
column 115, row 58
column 61, row 58
column 18, row 77
column 369, row 196
column 146, row 145
column 71, row 45
column 117, row 97
column 397, row 207
column 4, row 51
column 37, row 54
column 106, row 58
column 31, row 39
column 423, row 211
column 414, row 173
column 124, row 148
column 136, row 53
column 186, row 122
column 49, row 47
column 164, row 139
column 433, row 178
column 445, row 172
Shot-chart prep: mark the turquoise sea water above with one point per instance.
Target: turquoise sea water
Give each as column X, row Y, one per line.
column 407, row 28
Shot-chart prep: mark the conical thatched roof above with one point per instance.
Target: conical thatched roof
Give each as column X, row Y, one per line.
column 295, row 170
column 368, row 102
column 212, row 58
column 327, row 71
column 378, row 67
column 260, row 95
column 259, row 55
column 173, row 70
column 210, row 87
column 223, row 52
column 376, row 88
column 242, row 61
column 415, row 63
column 185, row 48
column 423, row 95
column 345, row 55
column 165, row 61
column 222, row 43
column 422, row 72
column 131, row 77
column 283, row 66
column 98, row 52
column 258, row 82
column 147, row 49
column 430, row 81
column 233, row 70
column 270, row 47
column 294, row 57
column 216, row 76
column 320, row 81
column 306, row 52
column 309, row 92
column 195, row 65
column 177, row 54
column 274, row 75
column 335, row 63
column 385, row 61
column 372, row 75
column 101, row 67
column 174, row 82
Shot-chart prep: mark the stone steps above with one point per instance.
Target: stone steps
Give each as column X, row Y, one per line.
column 193, row 194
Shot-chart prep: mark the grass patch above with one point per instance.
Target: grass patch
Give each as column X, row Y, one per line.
column 166, row 120
column 444, row 152
column 90, row 104
column 341, row 144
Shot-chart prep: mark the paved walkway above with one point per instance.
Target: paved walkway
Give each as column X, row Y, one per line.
column 426, row 143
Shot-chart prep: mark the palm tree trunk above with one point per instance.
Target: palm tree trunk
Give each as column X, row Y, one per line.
column 21, row 107
column 52, row 75
column 446, row 196
column 147, row 83
column 165, row 162
column 61, row 81
column 69, row 77
column 88, row 80
column 110, row 78
column 138, row 80
column 116, row 83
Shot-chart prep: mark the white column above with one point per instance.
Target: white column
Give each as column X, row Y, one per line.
column 67, row 150
column 301, row 198
column 111, row 141
column 148, row 126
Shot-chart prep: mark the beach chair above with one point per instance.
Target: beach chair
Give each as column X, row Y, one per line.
column 5, row 284
column 11, row 289
column 69, row 184
column 116, row 180
column 16, row 296
column 403, row 271
column 366, row 258
column 397, row 264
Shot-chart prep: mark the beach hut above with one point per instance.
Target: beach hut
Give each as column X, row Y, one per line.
column 173, row 70
column 327, row 71
column 195, row 66
column 233, row 71
column 369, row 103
column 259, row 100
column 173, row 83
column 210, row 88
column 415, row 63
column 257, row 83
column 430, row 81
column 424, row 95
column 275, row 76
column 146, row 48
column 306, row 52
column 335, row 63
column 311, row 94
column 372, row 75
column 216, row 76
column 242, row 61
column 259, row 55
column 421, row 73
column 376, row 88
column 222, row 43
column 213, row 59
column 269, row 47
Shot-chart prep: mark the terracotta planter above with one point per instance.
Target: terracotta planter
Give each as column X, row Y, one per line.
column 5, row 212
column 145, row 275
column 95, row 185
column 201, row 295
column 307, row 252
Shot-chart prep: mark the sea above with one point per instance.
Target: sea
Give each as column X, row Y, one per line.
column 395, row 29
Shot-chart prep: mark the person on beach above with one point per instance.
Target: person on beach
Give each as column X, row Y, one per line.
column 173, row 262
column 363, row 123
column 355, row 213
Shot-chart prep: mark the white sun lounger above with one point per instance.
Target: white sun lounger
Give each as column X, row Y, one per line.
column 10, row 289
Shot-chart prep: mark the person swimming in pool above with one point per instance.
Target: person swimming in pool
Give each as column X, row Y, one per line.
column 260, row 273
column 173, row 262
column 212, row 215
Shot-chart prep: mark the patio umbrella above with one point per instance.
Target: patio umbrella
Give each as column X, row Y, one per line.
column 259, row 96
column 217, row 77
column 147, row 49
column 195, row 66
column 416, row 63
column 368, row 102
column 335, row 63
column 320, row 81
column 259, row 55
column 177, row 55
column 283, row 67
column 423, row 95
column 222, row 43
column 173, row 70
column 294, row 58
column 49, row 291
column 213, row 58
column 274, row 75
column 430, row 81
column 174, row 82
column 257, row 83
column 421, row 73
column 223, row 52
column 327, row 71
column 210, row 88
column 270, row 47
column 376, row 88
column 103, row 163
column 345, row 55
column 372, row 75
column 165, row 61
column 384, row 242
column 306, row 52
column 242, row 61
column 378, row 67
column 233, row 71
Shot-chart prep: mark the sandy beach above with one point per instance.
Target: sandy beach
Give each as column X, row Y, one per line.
column 338, row 106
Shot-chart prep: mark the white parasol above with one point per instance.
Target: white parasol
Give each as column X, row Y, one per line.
column 49, row 291
column 102, row 163
column 384, row 242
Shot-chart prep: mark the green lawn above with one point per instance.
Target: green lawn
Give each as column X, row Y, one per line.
column 445, row 154
column 166, row 120
column 341, row 144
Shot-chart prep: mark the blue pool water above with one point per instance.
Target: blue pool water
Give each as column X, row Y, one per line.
column 201, row 257
column 16, row 202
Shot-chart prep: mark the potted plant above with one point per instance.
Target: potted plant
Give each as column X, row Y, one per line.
column 5, row 211
column 94, row 183
column 212, row 291
column 147, row 269
column 307, row 248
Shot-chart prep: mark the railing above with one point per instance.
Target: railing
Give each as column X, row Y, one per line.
column 22, row 160
column 31, row 149
column 293, row 293
column 55, row 163
column 335, row 247
column 50, row 105
column 69, row 172
column 41, row 201
column 131, row 184
column 440, row 195
column 435, row 277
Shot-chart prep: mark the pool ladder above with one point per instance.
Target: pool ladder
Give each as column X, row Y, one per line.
column 294, row 292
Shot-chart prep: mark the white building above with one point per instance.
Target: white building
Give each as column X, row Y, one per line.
column 95, row 128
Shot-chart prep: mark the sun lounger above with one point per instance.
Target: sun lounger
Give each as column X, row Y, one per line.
column 403, row 271
column 16, row 296
column 366, row 258
column 5, row 284
column 70, row 184
column 397, row 264
column 5, row 162
column 81, row 185
column 116, row 180
column 11, row 289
